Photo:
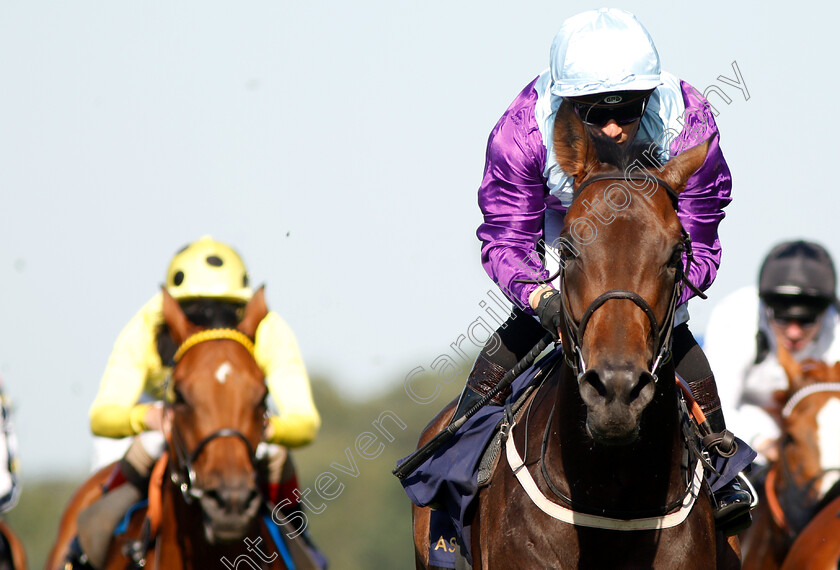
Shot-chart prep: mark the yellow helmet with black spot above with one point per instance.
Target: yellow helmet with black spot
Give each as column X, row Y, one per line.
column 210, row 269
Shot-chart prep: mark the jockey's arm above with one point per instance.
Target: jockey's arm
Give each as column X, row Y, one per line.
column 706, row 193
column 276, row 351
column 512, row 199
column 115, row 411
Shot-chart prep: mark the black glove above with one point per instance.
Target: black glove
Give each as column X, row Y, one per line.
column 550, row 310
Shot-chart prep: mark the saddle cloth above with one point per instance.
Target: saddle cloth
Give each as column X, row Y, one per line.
column 448, row 479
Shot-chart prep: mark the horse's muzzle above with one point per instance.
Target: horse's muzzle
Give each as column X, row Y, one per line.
column 229, row 512
column 615, row 398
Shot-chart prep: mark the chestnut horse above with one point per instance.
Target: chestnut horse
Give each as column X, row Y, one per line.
column 607, row 480
column 14, row 556
column 209, row 500
column 793, row 525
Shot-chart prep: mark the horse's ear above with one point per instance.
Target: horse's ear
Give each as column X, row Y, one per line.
column 255, row 312
column 179, row 326
column 792, row 368
column 680, row 168
column 574, row 149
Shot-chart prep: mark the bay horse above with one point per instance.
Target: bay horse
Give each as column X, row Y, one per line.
column 795, row 522
column 604, row 482
column 207, row 512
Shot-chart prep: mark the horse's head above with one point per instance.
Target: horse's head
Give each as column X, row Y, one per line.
column 215, row 418
column 810, row 420
column 623, row 249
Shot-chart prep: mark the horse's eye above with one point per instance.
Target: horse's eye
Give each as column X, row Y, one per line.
column 567, row 252
column 178, row 397
column 676, row 256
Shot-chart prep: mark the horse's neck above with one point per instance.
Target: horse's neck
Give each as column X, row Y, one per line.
column 637, row 466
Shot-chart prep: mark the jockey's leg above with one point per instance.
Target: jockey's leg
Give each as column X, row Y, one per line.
column 281, row 484
column 279, row 474
column 96, row 523
column 508, row 345
column 732, row 502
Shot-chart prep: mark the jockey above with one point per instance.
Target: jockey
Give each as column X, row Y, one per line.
column 210, row 282
column 9, row 485
column 794, row 306
column 605, row 63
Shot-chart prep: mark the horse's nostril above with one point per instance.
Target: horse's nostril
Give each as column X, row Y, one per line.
column 592, row 379
column 253, row 496
column 215, row 496
column 645, row 379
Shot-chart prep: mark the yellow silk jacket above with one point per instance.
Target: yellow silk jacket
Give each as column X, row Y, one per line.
column 135, row 372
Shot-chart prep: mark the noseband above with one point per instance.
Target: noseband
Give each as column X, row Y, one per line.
column 183, row 473
column 661, row 333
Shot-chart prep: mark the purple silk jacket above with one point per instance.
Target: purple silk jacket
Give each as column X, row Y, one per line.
column 514, row 196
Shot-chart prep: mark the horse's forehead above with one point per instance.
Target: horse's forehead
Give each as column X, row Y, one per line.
column 603, row 200
column 220, row 366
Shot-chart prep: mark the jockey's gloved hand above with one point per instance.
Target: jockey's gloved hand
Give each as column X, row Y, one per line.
column 549, row 309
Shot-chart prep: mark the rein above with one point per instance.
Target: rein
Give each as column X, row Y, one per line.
column 576, row 506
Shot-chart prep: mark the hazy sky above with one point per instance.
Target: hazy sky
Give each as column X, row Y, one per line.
column 338, row 146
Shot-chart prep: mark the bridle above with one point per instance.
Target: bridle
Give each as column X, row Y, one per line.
column 676, row 511
column 798, row 499
column 183, row 472
column 662, row 332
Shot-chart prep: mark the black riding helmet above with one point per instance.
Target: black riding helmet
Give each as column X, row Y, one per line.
column 797, row 281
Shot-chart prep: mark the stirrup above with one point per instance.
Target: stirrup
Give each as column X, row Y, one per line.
column 733, row 505
column 76, row 558
column 135, row 550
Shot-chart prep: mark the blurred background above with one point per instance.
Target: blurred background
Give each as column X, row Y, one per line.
column 338, row 146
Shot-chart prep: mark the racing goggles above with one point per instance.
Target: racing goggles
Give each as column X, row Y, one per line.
column 603, row 111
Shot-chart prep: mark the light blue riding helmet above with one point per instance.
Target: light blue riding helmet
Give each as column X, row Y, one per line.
column 603, row 50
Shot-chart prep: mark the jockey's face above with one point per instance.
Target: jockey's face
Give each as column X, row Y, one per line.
column 618, row 133
column 795, row 334
column 604, row 114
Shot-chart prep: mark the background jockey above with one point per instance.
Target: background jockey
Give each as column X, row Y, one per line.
column 9, row 485
column 210, row 282
column 794, row 306
column 605, row 63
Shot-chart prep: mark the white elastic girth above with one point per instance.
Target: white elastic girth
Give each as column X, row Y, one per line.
column 567, row 515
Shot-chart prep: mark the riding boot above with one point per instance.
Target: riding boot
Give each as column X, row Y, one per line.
column 732, row 502
column 483, row 378
column 97, row 523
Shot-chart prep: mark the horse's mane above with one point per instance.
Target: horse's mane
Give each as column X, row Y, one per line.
column 206, row 313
